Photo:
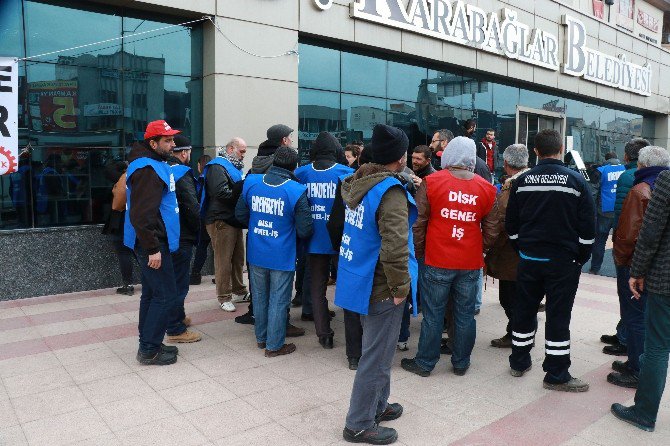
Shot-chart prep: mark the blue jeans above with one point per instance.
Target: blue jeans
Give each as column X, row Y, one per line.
column 632, row 315
column 438, row 286
column 181, row 262
column 654, row 361
column 158, row 298
column 603, row 227
column 404, row 325
column 480, row 289
column 272, row 296
column 623, row 291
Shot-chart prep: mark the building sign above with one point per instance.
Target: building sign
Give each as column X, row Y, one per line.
column 103, row 109
column 646, row 20
column 599, row 9
column 625, row 14
column 9, row 115
column 53, row 106
column 595, row 66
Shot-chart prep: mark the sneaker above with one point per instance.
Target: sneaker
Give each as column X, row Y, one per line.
column 519, row 373
column 574, row 385
column 392, row 412
column 286, row 349
column 460, row 371
column 410, row 365
column 375, row 435
column 185, row 338
column 228, row 306
column 626, row 379
column 187, row 321
column 195, row 279
column 402, row 346
column 616, row 350
column 241, row 298
column 161, row 357
column 170, row 349
column 128, row 290
column 246, row 319
column 293, row 332
column 609, row 339
column 628, row 415
column 504, row 342
column 620, row 366
column 353, row 363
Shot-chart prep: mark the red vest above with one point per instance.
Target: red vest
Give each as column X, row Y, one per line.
column 457, row 206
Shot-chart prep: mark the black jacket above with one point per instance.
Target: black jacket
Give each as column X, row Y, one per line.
column 550, row 214
column 189, row 209
column 146, row 194
column 222, row 195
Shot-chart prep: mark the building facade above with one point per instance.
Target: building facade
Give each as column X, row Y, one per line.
column 596, row 72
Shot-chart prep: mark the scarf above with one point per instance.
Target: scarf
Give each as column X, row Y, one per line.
column 648, row 175
column 239, row 164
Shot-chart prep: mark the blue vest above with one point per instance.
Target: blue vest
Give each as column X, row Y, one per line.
column 233, row 172
column 609, row 174
column 360, row 247
column 271, row 239
column 179, row 170
column 321, row 185
column 168, row 208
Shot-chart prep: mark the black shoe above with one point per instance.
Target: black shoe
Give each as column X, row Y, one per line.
column 353, row 363
column 169, row 349
column 374, row 435
column 609, row 339
column 331, row 313
column 293, row 332
column 616, row 350
column 213, row 280
column 620, row 366
column 326, row 341
column 392, row 412
column 247, row 319
column 446, row 347
column 628, row 415
column 595, row 272
column 542, row 308
column 128, row 290
column 195, row 279
column 159, row 358
column 410, row 365
column 626, row 379
column 477, row 311
column 460, row 371
column 504, row 342
column 306, row 317
column 297, row 301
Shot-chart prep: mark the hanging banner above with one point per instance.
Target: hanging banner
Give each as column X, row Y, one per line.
column 599, row 9
column 626, row 14
column 53, row 106
column 9, row 115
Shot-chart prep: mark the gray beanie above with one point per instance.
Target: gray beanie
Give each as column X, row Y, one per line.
column 460, row 152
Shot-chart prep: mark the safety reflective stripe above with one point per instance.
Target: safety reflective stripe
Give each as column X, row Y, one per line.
column 586, row 242
column 523, row 335
column 522, row 343
column 557, row 352
column 567, row 190
column 514, row 237
column 557, row 344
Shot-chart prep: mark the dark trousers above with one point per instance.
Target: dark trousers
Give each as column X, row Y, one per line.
column 632, row 315
column 654, row 361
column 158, row 298
column 319, row 267
column 558, row 280
column 200, row 255
column 372, row 384
column 623, row 291
column 181, row 262
column 353, row 333
column 303, row 279
column 603, row 227
column 404, row 325
column 506, row 295
column 125, row 256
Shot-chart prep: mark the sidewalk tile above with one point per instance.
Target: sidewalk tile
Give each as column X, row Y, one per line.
column 279, row 402
column 173, row 431
column 196, row 395
column 297, row 367
column 328, row 387
column 83, row 353
column 13, row 436
column 115, row 388
column 50, row 403
column 318, row 426
column 246, row 382
column 37, row 382
column 28, row 364
column 97, row 369
column 271, row 434
column 225, row 363
column 226, row 419
column 108, row 439
column 135, row 411
column 164, row 377
column 8, row 416
column 65, row 428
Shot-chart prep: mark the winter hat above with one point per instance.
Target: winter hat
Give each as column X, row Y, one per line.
column 181, row 143
column 277, row 132
column 460, row 152
column 286, row 158
column 324, row 147
column 388, row 144
column 365, row 156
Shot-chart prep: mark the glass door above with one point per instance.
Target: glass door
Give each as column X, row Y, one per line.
column 530, row 121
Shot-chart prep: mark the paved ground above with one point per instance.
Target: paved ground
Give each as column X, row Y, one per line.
column 68, row 376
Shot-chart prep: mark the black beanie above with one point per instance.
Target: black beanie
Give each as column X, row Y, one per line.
column 365, row 156
column 325, row 147
column 286, row 158
column 388, row 144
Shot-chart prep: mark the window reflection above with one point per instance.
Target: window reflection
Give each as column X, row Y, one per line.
column 311, row 70
column 404, row 81
column 362, row 114
column 363, row 75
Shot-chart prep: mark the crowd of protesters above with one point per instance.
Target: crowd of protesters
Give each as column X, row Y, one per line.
column 398, row 240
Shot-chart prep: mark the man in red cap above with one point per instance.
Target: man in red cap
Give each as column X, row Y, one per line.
column 152, row 230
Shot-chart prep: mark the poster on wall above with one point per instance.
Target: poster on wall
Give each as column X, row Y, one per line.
column 626, row 14
column 599, row 9
column 53, row 106
column 9, row 115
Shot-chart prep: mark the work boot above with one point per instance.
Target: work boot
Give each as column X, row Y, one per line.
column 353, row 363
column 609, row 339
column 187, row 321
column 616, row 350
column 374, row 435
column 504, row 342
column 326, row 341
column 297, row 301
column 184, row 338
column 170, row 349
column 410, row 365
column 195, row 279
column 519, row 373
column 620, row 366
column 628, row 415
column 285, row 349
column 626, row 379
column 246, row 319
column 161, row 357
column 128, row 290
column 574, row 385
column 293, row 332
column 392, row 412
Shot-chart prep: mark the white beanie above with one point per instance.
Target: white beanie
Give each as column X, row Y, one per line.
column 460, row 152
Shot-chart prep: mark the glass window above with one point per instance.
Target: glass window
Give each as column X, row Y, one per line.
column 11, row 34
column 404, row 82
column 363, row 75
column 319, row 111
column 411, row 118
column 362, row 114
column 541, row 101
column 311, row 72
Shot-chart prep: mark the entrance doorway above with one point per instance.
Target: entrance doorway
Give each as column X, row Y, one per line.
column 530, row 121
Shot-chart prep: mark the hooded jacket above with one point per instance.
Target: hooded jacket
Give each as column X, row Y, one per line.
column 189, row 208
column 146, row 195
column 324, row 150
column 392, row 269
column 223, row 194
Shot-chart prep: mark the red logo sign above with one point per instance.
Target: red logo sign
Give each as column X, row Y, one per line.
column 646, row 20
column 599, row 9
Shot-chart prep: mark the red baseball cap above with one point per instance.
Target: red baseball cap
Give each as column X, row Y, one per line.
column 159, row 128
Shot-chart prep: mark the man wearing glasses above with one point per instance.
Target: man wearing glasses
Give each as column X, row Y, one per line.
column 437, row 145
